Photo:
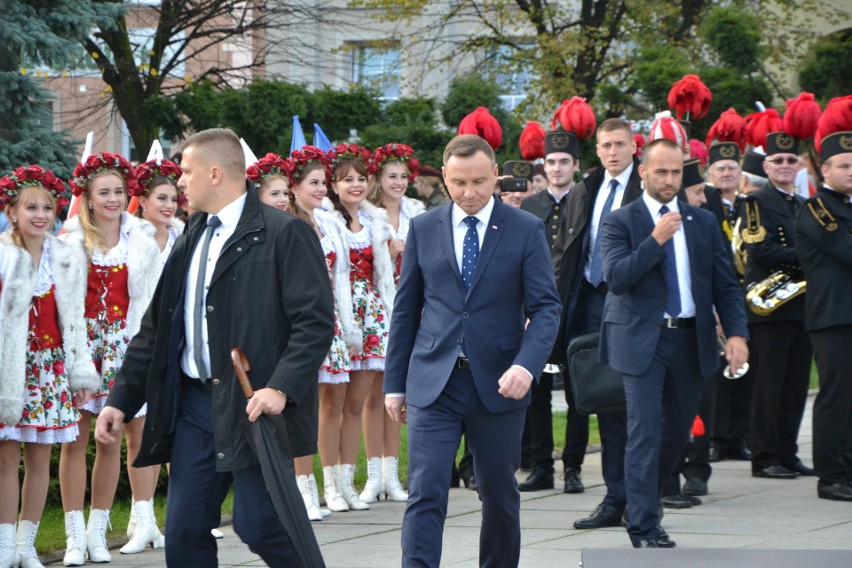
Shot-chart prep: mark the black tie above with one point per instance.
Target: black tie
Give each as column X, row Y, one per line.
column 200, row 293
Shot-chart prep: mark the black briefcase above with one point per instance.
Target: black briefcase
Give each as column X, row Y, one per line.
column 596, row 387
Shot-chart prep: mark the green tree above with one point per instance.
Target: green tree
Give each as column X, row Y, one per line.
column 824, row 72
column 38, row 32
column 413, row 122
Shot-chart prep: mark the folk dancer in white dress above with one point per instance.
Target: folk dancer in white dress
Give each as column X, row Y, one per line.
column 46, row 370
column 372, row 290
column 124, row 266
column 396, row 167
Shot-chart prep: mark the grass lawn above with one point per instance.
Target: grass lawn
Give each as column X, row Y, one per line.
column 51, row 532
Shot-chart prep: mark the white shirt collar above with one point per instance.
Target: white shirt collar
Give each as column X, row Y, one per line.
column 622, row 178
column 654, row 206
column 483, row 215
column 230, row 214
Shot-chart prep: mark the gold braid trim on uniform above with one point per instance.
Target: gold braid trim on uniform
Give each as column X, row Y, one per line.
column 754, row 231
column 823, row 215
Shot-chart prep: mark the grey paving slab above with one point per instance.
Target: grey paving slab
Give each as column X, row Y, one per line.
column 741, row 512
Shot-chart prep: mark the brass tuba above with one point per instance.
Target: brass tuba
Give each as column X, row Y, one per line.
column 777, row 289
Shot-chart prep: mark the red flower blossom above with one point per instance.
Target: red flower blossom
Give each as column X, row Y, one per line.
column 64, row 397
column 148, row 171
column 48, row 404
column 398, row 152
column 373, row 340
column 380, row 318
column 58, row 367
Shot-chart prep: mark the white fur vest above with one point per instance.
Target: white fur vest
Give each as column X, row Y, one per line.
column 68, row 265
column 143, row 264
column 382, row 264
column 335, row 231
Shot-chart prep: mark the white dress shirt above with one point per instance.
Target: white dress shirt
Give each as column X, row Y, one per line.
column 483, row 216
column 684, row 276
column 230, row 216
column 600, row 200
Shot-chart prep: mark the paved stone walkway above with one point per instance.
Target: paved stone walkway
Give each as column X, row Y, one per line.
column 740, row 512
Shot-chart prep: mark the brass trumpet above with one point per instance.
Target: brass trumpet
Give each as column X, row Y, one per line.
column 738, row 248
column 769, row 294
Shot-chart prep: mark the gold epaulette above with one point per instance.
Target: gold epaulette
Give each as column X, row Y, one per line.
column 822, row 214
column 754, row 231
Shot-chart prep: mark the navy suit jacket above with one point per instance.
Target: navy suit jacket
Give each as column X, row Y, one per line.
column 636, row 302
column 432, row 314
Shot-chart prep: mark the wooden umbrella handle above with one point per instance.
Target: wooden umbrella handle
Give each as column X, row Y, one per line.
column 242, row 367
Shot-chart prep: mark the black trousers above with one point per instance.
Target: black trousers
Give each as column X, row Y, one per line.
column 732, row 411
column 832, row 426
column 537, row 442
column 781, row 359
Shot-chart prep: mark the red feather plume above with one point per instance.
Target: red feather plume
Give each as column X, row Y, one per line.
column 697, row 427
column 759, row 124
column 690, row 97
column 697, row 149
column 837, row 117
column 482, row 124
column 802, row 116
column 575, row 115
column 730, row 127
column 532, row 141
column 640, row 143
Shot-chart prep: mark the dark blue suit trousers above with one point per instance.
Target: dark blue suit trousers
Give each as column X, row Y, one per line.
column 197, row 490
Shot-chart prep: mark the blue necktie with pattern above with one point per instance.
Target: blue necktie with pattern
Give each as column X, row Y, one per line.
column 596, row 269
column 470, row 251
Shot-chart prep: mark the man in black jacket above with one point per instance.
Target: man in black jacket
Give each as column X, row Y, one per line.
column 781, row 349
column 561, row 161
column 242, row 275
column 824, row 244
column 577, row 260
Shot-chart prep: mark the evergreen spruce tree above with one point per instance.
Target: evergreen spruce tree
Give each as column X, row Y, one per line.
column 40, row 32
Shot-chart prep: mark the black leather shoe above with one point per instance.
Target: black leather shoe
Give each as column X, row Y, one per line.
column 835, row 492
column 538, row 480
column 602, row 516
column 664, row 540
column 694, row 486
column 739, row 454
column 714, row 455
column 470, row 482
column 775, row 472
column 677, row 501
column 573, row 483
column 651, row 543
column 800, row 468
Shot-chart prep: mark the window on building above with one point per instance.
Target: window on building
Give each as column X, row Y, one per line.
column 506, row 66
column 377, row 67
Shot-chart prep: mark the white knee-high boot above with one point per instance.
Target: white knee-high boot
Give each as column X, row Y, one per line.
column 314, row 513
column 8, row 551
column 390, row 477
column 75, row 541
column 27, row 531
column 346, row 482
column 96, row 529
column 146, row 530
column 374, row 488
column 331, row 491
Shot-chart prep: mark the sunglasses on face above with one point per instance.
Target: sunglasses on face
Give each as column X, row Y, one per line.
column 779, row 161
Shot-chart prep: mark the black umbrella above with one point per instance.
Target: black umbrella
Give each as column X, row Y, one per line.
column 266, row 438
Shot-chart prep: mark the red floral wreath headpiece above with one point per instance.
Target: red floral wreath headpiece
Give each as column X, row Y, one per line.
column 148, row 171
column 399, row 152
column 301, row 158
column 269, row 165
column 343, row 151
column 12, row 184
column 104, row 161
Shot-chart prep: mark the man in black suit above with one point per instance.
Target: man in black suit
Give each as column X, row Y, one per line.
column 667, row 270
column 561, row 160
column 732, row 408
column 824, row 245
column 242, row 275
column 781, row 348
column 577, row 259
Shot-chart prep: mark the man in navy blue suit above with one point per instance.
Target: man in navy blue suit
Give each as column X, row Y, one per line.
column 462, row 356
column 666, row 269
